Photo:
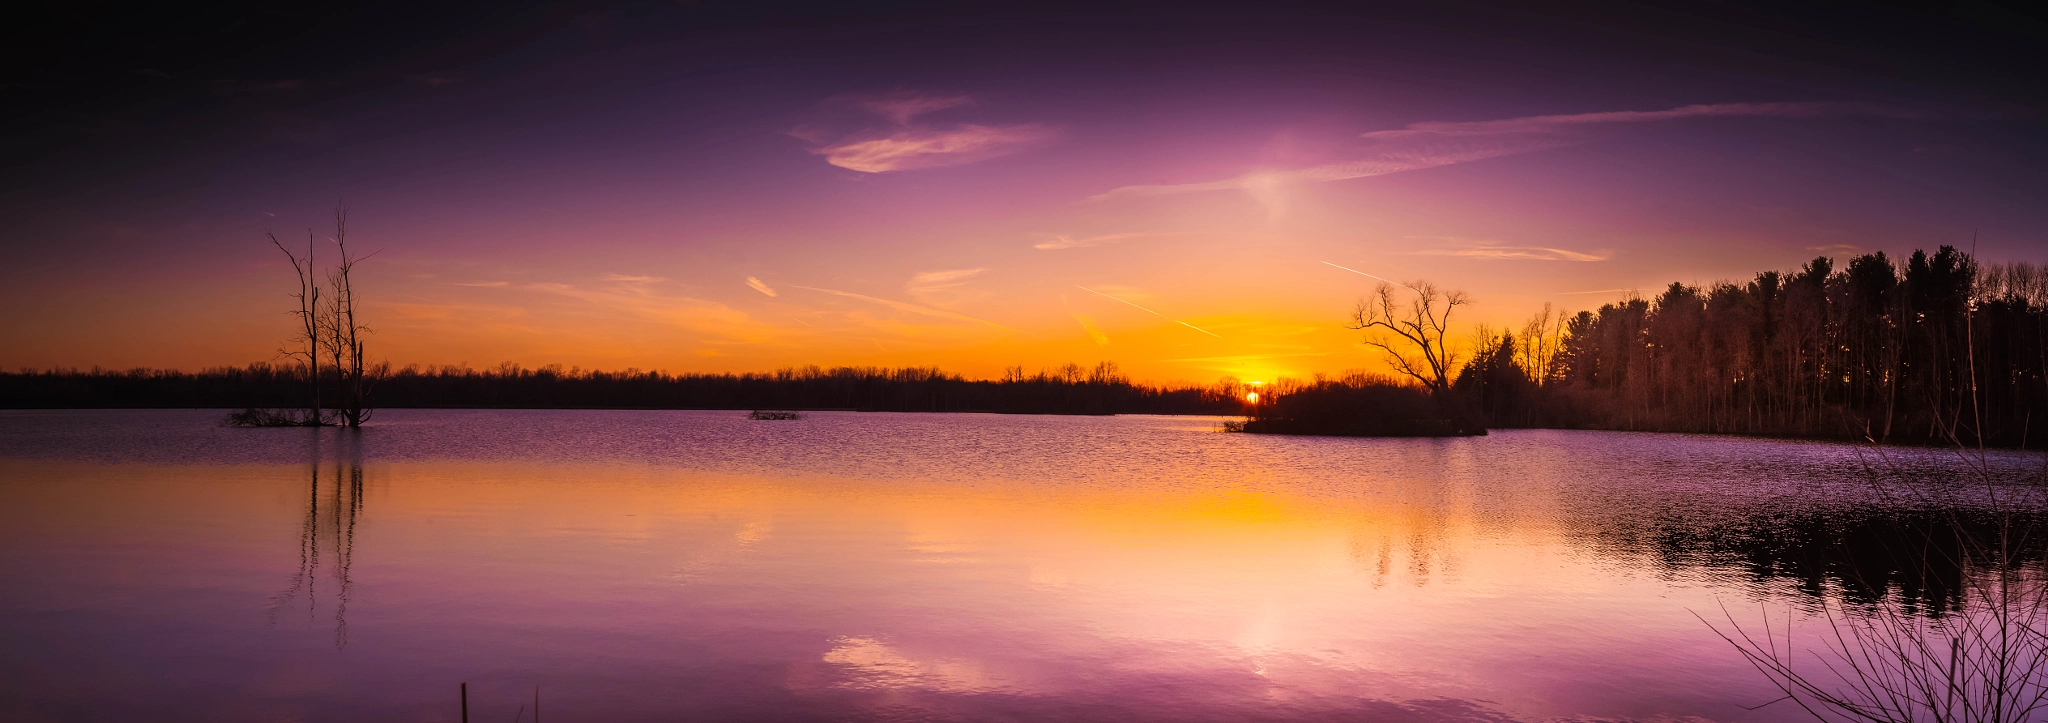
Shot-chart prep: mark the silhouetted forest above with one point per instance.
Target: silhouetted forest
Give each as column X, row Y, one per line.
column 1937, row 349
column 1068, row 390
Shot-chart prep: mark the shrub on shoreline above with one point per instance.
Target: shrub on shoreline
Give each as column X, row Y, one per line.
column 1356, row 406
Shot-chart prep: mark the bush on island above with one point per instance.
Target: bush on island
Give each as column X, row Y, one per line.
column 1356, row 407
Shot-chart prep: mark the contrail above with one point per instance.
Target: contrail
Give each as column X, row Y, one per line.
column 1356, row 271
column 912, row 308
column 1149, row 311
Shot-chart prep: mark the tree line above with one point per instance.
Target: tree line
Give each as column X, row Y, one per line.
column 1939, row 349
column 1070, row 389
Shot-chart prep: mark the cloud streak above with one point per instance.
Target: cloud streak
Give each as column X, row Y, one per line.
column 1148, row 311
column 949, row 277
column 757, row 285
column 928, row 148
column 882, row 133
column 1554, row 123
column 937, row 287
column 1431, row 144
column 902, row 105
column 1529, row 253
column 1467, row 248
column 1094, row 332
column 723, row 323
column 1064, row 241
column 910, row 308
column 1356, row 271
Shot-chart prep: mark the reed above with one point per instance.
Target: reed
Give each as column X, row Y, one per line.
column 1984, row 660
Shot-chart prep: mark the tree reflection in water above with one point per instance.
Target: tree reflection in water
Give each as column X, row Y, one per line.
column 1915, row 558
column 1940, row 616
column 334, row 501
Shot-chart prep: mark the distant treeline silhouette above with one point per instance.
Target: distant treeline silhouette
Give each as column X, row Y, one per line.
column 1071, row 389
column 1938, row 350
column 1935, row 350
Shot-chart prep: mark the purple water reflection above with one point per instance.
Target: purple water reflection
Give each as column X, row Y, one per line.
column 698, row 565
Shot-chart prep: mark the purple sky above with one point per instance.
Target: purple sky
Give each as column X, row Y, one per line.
column 737, row 187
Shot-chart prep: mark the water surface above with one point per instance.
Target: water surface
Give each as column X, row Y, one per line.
column 848, row 566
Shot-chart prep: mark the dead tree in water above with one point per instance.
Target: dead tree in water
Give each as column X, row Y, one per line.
column 344, row 340
column 327, row 327
column 308, row 314
column 1423, row 324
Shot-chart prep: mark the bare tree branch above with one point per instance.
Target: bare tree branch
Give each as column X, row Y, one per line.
column 1419, row 328
column 308, row 314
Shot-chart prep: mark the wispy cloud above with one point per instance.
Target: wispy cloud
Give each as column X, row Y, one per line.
column 1553, row 123
column 941, row 288
column 486, row 284
column 934, row 148
column 1064, row 241
column 910, row 308
column 1487, row 249
column 757, row 285
column 1094, row 332
column 631, row 279
column 1148, row 311
column 1356, row 271
column 722, row 323
column 1430, row 144
column 1836, row 248
column 1123, row 292
column 902, row 105
column 850, row 136
column 949, row 277
column 1530, row 253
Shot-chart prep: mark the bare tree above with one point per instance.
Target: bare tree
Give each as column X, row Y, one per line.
column 328, row 327
column 1542, row 336
column 344, row 333
column 1413, row 335
column 308, row 314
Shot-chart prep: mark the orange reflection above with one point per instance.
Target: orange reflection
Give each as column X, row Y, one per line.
column 995, row 586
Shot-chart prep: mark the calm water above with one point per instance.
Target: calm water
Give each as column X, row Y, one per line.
column 702, row 566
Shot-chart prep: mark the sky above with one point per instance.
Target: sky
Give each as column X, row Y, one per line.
column 1190, row 191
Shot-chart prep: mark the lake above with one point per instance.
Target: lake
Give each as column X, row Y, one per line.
column 698, row 565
